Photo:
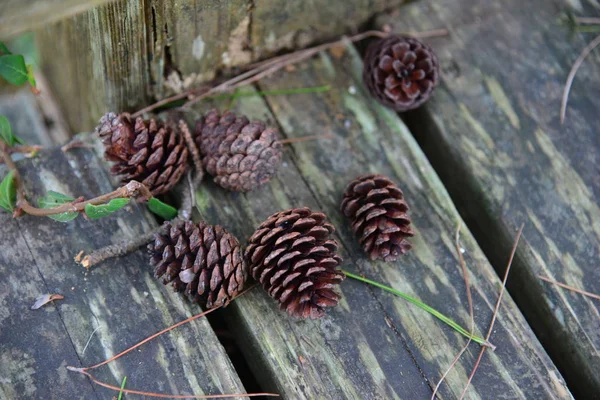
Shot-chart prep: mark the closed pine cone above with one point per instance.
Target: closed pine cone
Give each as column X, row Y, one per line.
column 206, row 261
column 239, row 154
column 294, row 258
column 400, row 72
column 377, row 211
column 151, row 152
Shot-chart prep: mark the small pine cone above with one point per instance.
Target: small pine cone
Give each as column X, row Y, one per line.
column 206, row 261
column 241, row 155
column 376, row 208
column 151, row 152
column 292, row 255
column 400, row 72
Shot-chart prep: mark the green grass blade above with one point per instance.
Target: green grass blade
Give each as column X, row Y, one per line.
column 423, row 306
column 122, row 387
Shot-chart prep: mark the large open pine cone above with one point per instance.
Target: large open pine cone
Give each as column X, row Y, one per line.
column 400, row 72
column 206, row 261
column 151, row 152
column 241, row 155
column 376, row 208
column 294, row 258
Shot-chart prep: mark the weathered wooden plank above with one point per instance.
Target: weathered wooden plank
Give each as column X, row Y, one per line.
column 34, row 345
column 120, row 299
column 373, row 345
column 493, row 133
column 122, row 55
column 18, row 16
column 281, row 24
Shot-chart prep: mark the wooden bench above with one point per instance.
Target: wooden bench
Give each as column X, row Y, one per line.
column 476, row 133
column 493, row 133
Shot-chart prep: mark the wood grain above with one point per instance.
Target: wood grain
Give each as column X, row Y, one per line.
column 373, row 345
column 120, row 299
column 492, row 131
column 18, row 16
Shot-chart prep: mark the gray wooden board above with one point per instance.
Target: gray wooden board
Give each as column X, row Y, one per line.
column 493, row 132
column 120, row 298
column 373, row 345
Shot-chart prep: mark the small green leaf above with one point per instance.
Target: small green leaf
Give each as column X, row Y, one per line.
column 30, row 77
column 95, row 212
column 161, row 209
column 4, row 49
column 13, row 69
column 8, row 192
column 6, row 132
column 54, row 199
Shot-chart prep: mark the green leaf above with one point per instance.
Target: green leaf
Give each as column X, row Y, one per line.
column 8, row 192
column 161, row 209
column 30, row 77
column 4, row 49
column 54, row 199
column 13, row 69
column 95, row 212
column 6, row 132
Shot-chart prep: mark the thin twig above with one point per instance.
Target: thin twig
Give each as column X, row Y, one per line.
column 167, row 396
column 587, row 20
column 565, row 97
column 463, row 266
column 489, row 333
column 151, row 394
column 120, row 249
column 267, row 67
column 76, row 143
column 133, row 189
column 305, row 138
column 571, row 288
column 89, row 340
column 193, row 149
column 25, row 149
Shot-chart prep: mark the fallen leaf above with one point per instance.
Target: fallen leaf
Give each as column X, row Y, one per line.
column 44, row 299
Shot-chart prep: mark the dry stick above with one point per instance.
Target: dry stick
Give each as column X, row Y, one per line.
column 267, row 67
column 24, row 149
column 571, row 288
column 202, row 314
column 463, row 266
column 584, row 53
column 510, row 260
column 120, row 249
column 133, row 189
column 193, row 149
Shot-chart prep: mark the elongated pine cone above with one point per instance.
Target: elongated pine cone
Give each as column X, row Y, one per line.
column 377, row 211
column 151, row 152
column 400, row 72
column 206, row 261
column 241, row 155
column 294, row 258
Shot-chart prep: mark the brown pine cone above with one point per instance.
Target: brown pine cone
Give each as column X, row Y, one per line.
column 400, row 72
column 294, row 258
column 206, row 261
column 151, row 152
column 241, row 155
column 376, row 208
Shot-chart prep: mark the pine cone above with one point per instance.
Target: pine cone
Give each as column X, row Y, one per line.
column 151, row 152
column 292, row 255
column 400, row 72
column 376, row 208
column 240, row 154
column 205, row 261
